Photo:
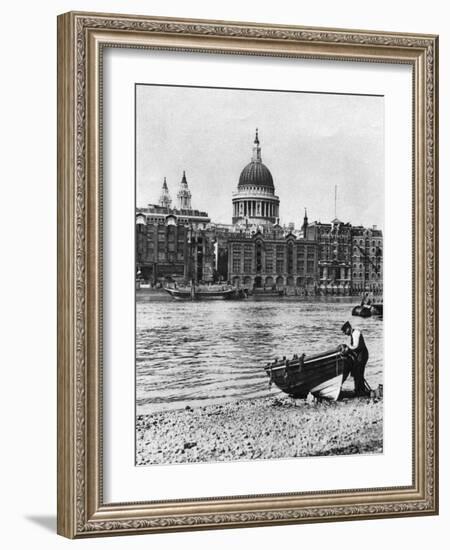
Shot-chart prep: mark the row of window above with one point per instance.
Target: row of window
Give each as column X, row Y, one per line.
column 374, row 243
column 269, row 266
column 170, row 257
column 370, row 276
column 369, row 267
column 166, row 245
column 344, row 241
column 280, row 250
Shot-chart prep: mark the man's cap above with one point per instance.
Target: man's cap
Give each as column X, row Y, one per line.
column 345, row 326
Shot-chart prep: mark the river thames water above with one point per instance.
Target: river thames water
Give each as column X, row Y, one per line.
column 196, row 353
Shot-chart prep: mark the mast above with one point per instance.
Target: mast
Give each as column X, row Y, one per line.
column 191, row 260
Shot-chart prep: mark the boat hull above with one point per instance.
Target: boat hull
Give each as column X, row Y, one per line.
column 181, row 294
column 368, row 311
column 321, row 374
column 362, row 311
column 330, row 389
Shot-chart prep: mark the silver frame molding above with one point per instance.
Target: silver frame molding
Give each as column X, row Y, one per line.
column 81, row 37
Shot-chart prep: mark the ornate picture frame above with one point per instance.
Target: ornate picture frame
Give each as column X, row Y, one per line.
column 82, row 38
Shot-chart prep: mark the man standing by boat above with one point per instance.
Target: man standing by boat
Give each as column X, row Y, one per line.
column 359, row 354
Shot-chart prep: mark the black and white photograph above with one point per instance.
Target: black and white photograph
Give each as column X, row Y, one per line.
column 259, row 274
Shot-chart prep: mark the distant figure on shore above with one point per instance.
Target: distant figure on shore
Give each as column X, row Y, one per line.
column 358, row 352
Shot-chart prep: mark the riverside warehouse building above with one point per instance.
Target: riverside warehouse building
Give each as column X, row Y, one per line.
column 182, row 244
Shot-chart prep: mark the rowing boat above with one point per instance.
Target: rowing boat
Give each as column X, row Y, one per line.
column 321, row 374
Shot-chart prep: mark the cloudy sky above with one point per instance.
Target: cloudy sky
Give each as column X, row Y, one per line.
column 310, row 143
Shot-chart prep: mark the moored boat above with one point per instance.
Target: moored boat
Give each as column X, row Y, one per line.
column 362, row 311
column 321, row 374
column 196, row 293
column 368, row 310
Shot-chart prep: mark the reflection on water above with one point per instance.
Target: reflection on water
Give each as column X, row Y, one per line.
column 192, row 353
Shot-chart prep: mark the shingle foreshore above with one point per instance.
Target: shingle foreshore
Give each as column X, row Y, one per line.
column 263, row 428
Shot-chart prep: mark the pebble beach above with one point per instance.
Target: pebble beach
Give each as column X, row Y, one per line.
column 263, row 428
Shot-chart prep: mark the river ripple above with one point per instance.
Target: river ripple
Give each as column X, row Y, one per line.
column 195, row 353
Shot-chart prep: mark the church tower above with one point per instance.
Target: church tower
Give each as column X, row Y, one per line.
column 164, row 198
column 305, row 224
column 184, row 195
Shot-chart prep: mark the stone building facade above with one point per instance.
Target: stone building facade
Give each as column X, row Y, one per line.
column 174, row 252
column 367, row 260
column 268, row 261
column 350, row 258
column 334, row 241
column 174, row 244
